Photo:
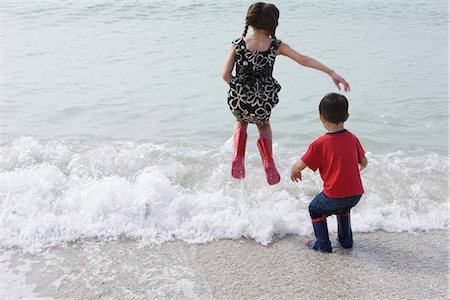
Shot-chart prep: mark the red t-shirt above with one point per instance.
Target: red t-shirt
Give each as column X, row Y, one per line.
column 337, row 156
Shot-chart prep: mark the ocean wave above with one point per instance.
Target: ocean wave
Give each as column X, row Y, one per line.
column 60, row 191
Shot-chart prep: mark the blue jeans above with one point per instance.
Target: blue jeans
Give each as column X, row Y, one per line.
column 323, row 205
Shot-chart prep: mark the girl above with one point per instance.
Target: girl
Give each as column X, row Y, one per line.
column 253, row 91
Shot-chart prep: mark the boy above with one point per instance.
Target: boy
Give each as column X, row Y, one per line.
column 339, row 157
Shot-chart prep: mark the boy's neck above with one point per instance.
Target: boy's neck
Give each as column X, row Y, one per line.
column 333, row 127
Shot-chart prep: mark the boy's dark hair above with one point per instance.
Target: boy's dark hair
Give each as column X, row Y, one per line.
column 263, row 16
column 334, row 108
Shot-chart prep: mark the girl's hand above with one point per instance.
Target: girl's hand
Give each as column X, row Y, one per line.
column 338, row 79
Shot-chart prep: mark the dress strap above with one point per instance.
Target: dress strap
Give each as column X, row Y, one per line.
column 276, row 44
column 237, row 43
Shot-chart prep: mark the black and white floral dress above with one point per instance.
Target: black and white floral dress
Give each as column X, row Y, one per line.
column 253, row 91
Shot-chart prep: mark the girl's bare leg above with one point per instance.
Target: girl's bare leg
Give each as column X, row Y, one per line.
column 238, row 125
column 265, row 130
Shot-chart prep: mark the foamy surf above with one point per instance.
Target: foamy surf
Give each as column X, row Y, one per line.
column 59, row 191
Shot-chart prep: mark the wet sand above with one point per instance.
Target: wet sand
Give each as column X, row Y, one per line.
column 380, row 266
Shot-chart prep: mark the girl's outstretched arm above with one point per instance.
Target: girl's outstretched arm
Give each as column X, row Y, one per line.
column 310, row 62
column 229, row 64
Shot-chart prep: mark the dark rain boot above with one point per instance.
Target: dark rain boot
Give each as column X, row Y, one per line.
column 322, row 241
column 345, row 236
column 237, row 165
column 265, row 149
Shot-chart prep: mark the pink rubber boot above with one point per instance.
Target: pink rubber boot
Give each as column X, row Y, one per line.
column 237, row 165
column 265, row 149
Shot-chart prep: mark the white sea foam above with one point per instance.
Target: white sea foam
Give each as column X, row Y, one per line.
column 55, row 191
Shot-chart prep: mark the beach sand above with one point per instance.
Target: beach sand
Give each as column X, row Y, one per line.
column 380, row 266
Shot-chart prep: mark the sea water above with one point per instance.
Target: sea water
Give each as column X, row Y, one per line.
column 114, row 121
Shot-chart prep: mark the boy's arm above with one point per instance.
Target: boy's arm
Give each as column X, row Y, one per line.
column 310, row 62
column 363, row 163
column 296, row 170
column 229, row 64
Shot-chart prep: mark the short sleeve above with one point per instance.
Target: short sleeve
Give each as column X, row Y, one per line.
column 312, row 158
column 360, row 150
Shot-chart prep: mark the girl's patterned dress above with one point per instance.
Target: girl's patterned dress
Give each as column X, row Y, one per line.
column 253, row 91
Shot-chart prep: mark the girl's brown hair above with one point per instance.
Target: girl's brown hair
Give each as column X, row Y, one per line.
column 263, row 16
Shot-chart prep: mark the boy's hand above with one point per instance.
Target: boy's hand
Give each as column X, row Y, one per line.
column 296, row 171
column 295, row 174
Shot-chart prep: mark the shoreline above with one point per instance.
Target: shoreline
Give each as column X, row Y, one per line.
column 381, row 265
